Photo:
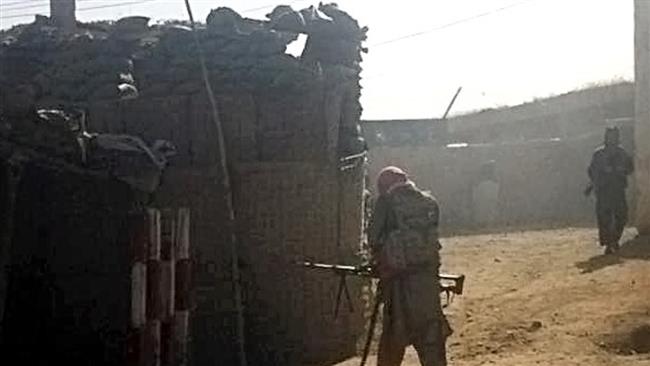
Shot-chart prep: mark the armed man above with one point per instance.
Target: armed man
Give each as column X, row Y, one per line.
column 403, row 237
column 608, row 171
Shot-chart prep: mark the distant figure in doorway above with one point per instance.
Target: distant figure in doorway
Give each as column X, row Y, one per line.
column 485, row 196
column 608, row 171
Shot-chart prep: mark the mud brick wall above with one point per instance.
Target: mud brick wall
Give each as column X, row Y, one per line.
column 146, row 81
column 192, row 181
column 288, row 212
column 212, row 321
column 69, row 274
column 281, row 154
column 257, row 126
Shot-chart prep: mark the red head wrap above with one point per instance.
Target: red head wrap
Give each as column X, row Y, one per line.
column 388, row 177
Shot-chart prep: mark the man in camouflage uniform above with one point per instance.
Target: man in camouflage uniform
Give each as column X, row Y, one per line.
column 608, row 171
column 403, row 237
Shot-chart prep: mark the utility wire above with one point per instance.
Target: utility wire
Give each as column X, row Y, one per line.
column 13, row 3
column 19, row 16
column 116, row 5
column 448, row 25
column 222, row 167
column 456, row 22
column 86, row 8
column 32, row 4
column 22, row 15
column 269, row 6
column 46, row 4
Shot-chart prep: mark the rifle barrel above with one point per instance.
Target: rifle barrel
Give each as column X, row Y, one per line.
column 340, row 269
column 363, row 271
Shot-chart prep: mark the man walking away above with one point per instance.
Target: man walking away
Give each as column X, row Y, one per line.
column 403, row 237
column 608, row 171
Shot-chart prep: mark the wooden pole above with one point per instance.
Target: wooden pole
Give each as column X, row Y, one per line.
column 153, row 307
column 451, row 104
column 168, row 241
column 182, row 292
column 222, row 169
column 139, row 239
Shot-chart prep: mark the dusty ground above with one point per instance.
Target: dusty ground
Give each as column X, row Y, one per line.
column 547, row 298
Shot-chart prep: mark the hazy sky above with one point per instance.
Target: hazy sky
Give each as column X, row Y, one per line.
column 502, row 52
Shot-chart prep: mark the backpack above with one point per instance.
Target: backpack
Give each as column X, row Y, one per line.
column 413, row 244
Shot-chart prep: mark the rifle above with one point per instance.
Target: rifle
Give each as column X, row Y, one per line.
column 450, row 284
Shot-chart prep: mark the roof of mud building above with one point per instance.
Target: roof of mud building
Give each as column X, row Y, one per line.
column 49, row 76
column 107, row 60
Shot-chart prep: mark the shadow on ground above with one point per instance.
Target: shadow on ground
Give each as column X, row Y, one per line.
column 637, row 248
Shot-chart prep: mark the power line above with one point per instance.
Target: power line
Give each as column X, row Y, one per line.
column 13, row 3
column 456, row 22
column 382, row 74
column 32, row 5
column 23, row 15
column 269, row 6
column 222, row 168
column 46, row 3
column 19, row 16
column 116, row 5
column 85, row 9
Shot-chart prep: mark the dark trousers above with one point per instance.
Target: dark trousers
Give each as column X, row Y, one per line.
column 429, row 345
column 611, row 213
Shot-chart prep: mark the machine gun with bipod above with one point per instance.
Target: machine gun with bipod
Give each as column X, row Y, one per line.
column 450, row 284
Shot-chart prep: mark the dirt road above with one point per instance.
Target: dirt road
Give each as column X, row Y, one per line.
column 547, row 298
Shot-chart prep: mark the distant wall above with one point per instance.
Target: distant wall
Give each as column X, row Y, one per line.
column 406, row 132
column 564, row 116
column 541, row 151
column 540, row 183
